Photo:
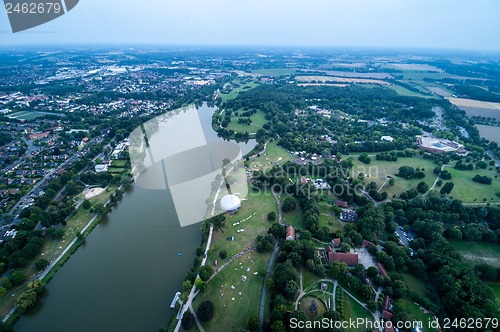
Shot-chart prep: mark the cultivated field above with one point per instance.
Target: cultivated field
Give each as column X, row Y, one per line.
column 406, row 92
column 326, row 79
column 324, row 84
column 491, row 133
column 415, row 66
column 474, row 103
column 477, row 107
column 340, row 73
column 439, row 91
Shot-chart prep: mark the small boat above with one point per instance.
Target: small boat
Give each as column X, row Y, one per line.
column 179, row 254
column 176, row 298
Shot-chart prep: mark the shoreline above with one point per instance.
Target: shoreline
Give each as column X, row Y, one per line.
column 46, row 275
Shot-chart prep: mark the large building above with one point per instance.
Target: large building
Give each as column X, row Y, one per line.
column 349, row 259
column 439, row 145
column 290, row 233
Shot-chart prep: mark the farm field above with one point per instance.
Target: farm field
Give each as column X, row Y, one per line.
column 477, row 107
column 342, row 73
column 276, row 71
column 325, row 79
column 478, row 252
column 406, row 92
column 491, row 133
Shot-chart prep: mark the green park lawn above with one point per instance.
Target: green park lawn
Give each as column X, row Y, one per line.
column 234, row 93
column 116, row 170
column 270, row 157
column 414, row 284
column 119, row 162
column 233, row 307
column 256, row 206
column 353, row 310
column 469, row 191
column 378, row 170
column 478, row 252
column 294, row 217
column 308, row 278
column 414, row 310
column 258, row 120
column 305, row 307
column 496, row 290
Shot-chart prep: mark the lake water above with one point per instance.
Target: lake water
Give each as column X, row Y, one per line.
column 125, row 275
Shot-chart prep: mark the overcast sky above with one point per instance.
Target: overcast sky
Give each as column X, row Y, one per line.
column 448, row 24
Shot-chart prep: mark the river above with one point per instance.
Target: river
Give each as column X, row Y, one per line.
column 125, row 275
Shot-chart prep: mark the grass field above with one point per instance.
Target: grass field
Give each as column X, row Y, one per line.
column 262, row 203
column 276, row 71
column 414, row 284
column 496, row 291
column 378, row 170
column 336, row 79
column 258, row 120
column 116, row 169
column 270, row 157
column 305, row 307
column 25, row 115
column 353, row 310
column 294, row 217
column 478, row 252
column 119, row 162
column 491, row 133
column 233, row 307
column 234, row 93
column 467, row 190
column 405, row 92
column 413, row 309
column 329, row 220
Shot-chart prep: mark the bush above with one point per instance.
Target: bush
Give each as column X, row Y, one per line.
column 205, row 311
column 187, row 322
column 223, row 254
column 205, row 272
column 271, row 216
column 41, row 264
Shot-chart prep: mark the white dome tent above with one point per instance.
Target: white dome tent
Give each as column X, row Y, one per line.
column 230, row 203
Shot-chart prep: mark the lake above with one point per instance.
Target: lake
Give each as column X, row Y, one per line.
column 125, row 275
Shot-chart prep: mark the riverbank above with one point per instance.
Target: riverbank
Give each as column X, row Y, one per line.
column 47, row 274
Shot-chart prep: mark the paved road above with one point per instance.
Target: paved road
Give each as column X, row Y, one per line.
column 264, row 289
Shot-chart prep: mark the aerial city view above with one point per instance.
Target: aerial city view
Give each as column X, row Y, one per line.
column 250, row 166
